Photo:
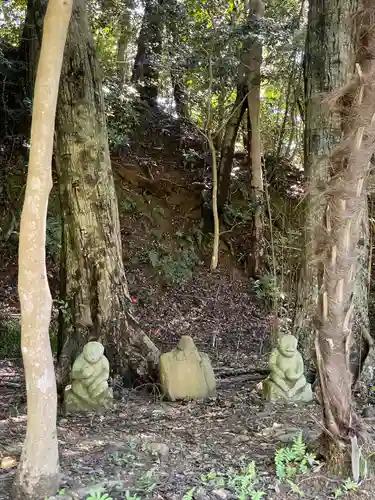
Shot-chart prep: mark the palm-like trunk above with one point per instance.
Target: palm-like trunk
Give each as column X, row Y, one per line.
column 345, row 202
column 93, row 282
column 329, row 63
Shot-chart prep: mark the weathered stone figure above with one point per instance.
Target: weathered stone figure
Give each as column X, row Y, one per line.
column 286, row 380
column 186, row 373
column 89, row 389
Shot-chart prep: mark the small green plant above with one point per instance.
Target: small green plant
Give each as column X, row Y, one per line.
column 175, row 270
column 266, row 289
column 98, row 495
column 147, row 482
column 213, row 478
column 243, row 484
column 189, row 495
column 348, row 485
column 10, row 334
column 127, row 205
column 293, row 460
column 129, row 496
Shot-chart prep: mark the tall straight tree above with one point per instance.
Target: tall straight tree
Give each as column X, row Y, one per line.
column 253, row 63
column 148, row 58
column 93, row 281
column 247, row 99
column 337, row 254
column 125, row 29
column 329, row 63
column 38, row 474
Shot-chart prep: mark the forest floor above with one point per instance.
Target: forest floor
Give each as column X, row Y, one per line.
column 147, row 447
column 160, row 450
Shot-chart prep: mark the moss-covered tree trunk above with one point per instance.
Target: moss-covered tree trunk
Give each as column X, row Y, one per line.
column 93, row 281
column 329, row 62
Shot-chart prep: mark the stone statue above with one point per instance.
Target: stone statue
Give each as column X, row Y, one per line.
column 286, row 381
column 89, row 389
column 186, row 373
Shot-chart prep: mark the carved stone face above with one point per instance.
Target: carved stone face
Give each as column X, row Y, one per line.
column 93, row 352
column 288, row 345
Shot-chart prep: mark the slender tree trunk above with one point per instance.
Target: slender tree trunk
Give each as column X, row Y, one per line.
column 346, row 205
column 228, row 144
column 179, row 93
column 38, row 474
column 147, row 60
column 254, row 61
column 329, row 62
column 125, row 29
column 93, row 281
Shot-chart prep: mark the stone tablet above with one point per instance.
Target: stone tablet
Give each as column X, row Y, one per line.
column 186, row 373
column 89, row 389
column 287, row 381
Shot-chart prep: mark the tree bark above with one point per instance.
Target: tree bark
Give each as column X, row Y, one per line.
column 228, row 144
column 93, row 281
column 329, row 62
column 38, row 474
column 123, row 42
column 147, row 60
column 254, row 61
column 248, row 81
column 31, row 40
column 337, row 257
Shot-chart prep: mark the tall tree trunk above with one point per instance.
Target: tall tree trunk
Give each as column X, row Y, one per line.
column 38, row 474
column 228, row 144
column 125, row 29
column 254, row 61
column 248, row 82
column 337, row 253
column 30, row 43
column 93, row 281
column 329, row 62
column 147, row 60
column 179, row 93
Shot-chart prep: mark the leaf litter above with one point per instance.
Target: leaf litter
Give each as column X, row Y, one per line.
column 161, row 450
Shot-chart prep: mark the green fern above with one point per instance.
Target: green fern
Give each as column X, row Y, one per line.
column 291, row 460
column 279, row 463
column 298, row 448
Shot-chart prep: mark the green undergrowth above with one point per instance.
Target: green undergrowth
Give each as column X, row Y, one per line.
column 291, row 465
column 10, row 338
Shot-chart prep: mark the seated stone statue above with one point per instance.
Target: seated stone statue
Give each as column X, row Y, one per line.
column 89, row 389
column 286, row 381
column 186, row 373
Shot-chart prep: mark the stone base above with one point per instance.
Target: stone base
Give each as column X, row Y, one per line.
column 74, row 404
column 272, row 392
